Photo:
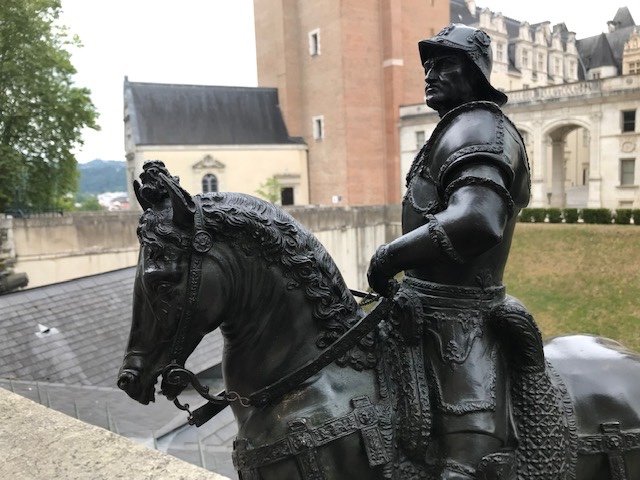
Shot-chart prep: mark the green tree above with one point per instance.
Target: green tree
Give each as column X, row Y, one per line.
column 90, row 204
column 42, row 113
column 270, row 190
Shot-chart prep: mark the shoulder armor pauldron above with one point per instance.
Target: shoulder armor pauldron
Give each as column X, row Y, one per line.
column 430, row 154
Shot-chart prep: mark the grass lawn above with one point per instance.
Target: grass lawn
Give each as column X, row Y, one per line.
column 579, row 278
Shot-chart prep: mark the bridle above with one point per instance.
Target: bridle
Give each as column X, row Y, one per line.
column 175, row 373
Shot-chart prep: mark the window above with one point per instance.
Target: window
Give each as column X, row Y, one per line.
column 286, row 196
column 634, row 67
column 572, row 69
column 318, row 127
column 419, row 139
column 525, row 59
column 314, row 42
column 209, row 183
column 595, row 75
column 525, row 86
column 558, row 70
column 628, row 120
column 499, row 51
column 627, row 171
column 541, row 62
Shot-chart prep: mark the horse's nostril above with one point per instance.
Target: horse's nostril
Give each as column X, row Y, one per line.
column 125, row 379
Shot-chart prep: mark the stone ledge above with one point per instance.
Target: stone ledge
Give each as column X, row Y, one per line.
column 37, row 443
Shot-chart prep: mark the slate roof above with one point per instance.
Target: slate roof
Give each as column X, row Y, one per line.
column 607, row 49
column 166, row 114
column 88, row 320
column 596, row 52
column 623, row 18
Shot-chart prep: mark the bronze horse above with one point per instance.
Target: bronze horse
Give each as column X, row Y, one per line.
column 279, row 300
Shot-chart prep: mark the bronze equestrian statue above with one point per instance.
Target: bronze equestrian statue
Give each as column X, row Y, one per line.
column 444, row 378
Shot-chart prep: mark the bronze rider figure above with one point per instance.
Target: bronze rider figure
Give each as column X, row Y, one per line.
column 464, row 191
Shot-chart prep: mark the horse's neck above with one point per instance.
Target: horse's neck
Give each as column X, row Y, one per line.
column 269, row 329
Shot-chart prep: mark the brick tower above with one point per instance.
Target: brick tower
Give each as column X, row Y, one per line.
column 342, row 69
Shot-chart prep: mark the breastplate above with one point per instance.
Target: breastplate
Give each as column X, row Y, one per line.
column 421, row 199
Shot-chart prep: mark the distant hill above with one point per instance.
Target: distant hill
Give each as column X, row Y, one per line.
column 100, row 176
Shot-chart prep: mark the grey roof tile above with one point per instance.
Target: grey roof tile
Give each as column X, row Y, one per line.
column 164, row 114
column 92, row 316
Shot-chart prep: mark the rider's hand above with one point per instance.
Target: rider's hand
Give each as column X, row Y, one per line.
column 380, row 273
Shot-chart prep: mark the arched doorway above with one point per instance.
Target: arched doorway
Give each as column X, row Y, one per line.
column 567, row 169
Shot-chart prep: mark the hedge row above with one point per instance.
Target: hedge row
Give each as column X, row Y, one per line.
column 620, row 216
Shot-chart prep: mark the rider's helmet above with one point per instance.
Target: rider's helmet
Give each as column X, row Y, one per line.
column 474, row 44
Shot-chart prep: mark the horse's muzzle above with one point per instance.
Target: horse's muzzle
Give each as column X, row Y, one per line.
column 127, row 379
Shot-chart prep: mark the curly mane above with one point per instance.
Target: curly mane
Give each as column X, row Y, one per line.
column 260, row 229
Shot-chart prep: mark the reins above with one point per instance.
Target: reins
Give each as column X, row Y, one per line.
column 177, row 375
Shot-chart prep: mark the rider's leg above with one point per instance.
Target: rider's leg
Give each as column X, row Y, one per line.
column 463, row 452
column 477, row 445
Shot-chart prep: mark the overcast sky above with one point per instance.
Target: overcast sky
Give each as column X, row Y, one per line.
column 212, row 42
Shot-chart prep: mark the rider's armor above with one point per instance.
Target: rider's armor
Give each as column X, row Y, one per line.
column 475, row 144
column 468, row 138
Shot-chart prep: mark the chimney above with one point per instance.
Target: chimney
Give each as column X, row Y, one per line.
column 471, row 5
column 612, row 26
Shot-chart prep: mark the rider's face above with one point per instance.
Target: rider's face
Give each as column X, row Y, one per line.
column 448, row 82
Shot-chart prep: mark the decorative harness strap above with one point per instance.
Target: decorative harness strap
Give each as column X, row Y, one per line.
column 614, row 442
column 302, row 441
column 176, row 375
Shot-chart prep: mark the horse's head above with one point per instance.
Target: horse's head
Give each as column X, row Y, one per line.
column 265, row 275
column 162, row 285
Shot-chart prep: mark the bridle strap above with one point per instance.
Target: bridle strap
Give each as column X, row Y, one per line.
column 201, row 244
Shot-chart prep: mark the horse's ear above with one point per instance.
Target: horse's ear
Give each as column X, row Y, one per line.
column 182, row 203
column 143, row 203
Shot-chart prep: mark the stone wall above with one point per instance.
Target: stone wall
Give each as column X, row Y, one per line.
column 41, row 444
column 55, row 249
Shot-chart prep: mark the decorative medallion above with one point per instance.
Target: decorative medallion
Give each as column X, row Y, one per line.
column 202, row 241
column 628, row 147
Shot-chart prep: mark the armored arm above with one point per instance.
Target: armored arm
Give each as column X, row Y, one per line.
column 478, row 206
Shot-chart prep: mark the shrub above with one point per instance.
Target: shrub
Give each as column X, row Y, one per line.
column 596, row 215
column 636, row 215
column 533, row 215
column 570, row 215
column 555, row 215
column 623, row 216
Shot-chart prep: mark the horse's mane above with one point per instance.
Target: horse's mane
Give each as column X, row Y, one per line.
column 263, row 230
